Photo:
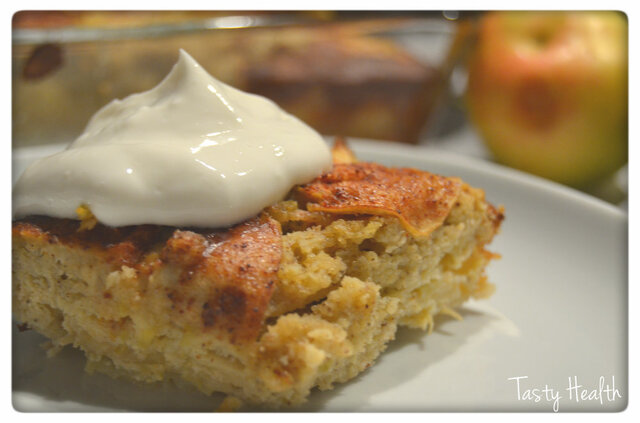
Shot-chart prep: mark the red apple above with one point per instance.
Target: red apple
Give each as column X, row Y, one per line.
column 548, row 92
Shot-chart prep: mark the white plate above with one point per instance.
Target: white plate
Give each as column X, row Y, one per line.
column 559, row 314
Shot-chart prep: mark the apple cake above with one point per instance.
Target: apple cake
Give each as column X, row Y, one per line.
column 341, row 78
column 305, row 295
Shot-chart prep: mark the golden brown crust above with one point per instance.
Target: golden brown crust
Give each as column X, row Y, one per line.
column 121, row 246
column 240, row 265
column 421, row 200
column 236, row 268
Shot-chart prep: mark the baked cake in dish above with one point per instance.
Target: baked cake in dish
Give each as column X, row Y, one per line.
column 307, row 294
column 343, row 79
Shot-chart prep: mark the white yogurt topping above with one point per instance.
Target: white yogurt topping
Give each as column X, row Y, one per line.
column 190, row 152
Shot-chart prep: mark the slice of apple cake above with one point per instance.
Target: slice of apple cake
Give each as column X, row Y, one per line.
column 306, row 294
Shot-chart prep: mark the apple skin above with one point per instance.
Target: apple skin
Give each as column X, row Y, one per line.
column 548, row 92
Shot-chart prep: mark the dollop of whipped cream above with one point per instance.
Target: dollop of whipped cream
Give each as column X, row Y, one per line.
column 192, row 151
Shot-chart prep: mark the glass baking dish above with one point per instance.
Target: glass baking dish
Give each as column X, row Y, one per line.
column 372, row 75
